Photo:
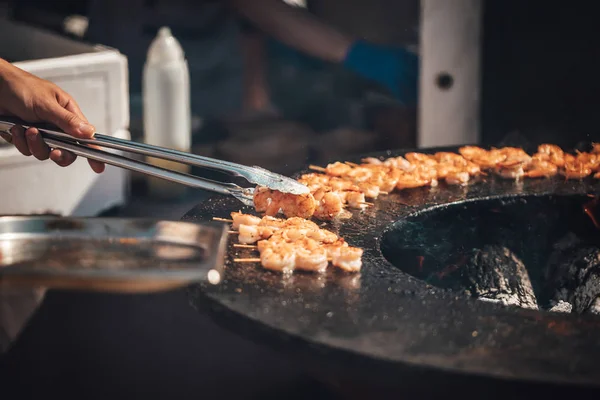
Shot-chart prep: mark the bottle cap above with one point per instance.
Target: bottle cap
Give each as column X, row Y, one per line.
column 164, row 48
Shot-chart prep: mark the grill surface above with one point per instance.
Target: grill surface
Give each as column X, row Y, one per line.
column 387, row 322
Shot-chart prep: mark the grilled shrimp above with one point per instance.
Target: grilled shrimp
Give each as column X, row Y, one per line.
column 551, row 153
column 591, row 160
column 310, row 256
column 484, row 158
column 420, row 158
column 390, row 180
column 281, row 258
column 514, row 155
column 356, row 200
column 450, row 158
column 329, row 205
column 243, row 219
column 411, row 181
column 338, row 169
column 400, row 163
column 249, row 234
column 512, row 170
column 443, row 170
column 540, row 169
column 472, row 169
column 262, row 198
column 302, row 206
column 514, row 163
column 575, row 170
column 348, row 259
column 457, row 178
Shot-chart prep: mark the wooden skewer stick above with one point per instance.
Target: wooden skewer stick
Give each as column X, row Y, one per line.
column 245, row 246
column 232, row 232
column 317, row 168
column 222, row 219
column 352, row 164
column 382, row 192
column 364, row 203
column 253, row 260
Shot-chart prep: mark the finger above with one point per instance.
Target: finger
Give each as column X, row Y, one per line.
column 66, row 120
column 65, row 158
column 18, row 134
column 36, row 144
column 97, row 166
column 62, row 158
column 73, row 107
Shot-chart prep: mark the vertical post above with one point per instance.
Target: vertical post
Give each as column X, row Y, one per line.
column 450, row 50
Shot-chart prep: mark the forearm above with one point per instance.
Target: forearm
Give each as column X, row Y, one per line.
column 255, row 84
column 296, row 28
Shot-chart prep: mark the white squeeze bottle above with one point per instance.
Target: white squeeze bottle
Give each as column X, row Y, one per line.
column 167, row 114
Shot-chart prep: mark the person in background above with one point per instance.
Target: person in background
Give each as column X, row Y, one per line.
column 33, row 99
column 394, row 68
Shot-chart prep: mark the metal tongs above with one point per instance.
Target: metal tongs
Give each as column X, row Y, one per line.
column 57, row 139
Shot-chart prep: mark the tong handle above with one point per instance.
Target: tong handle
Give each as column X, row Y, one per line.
column 59, row 140
column 244, row 195
column 52, row 132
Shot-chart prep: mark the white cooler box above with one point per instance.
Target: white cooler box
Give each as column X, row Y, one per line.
column 96, row 77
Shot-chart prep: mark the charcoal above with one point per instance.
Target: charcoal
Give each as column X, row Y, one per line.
column 496, row 274
column 595, row 307
column 573, row 274
column 561, row 306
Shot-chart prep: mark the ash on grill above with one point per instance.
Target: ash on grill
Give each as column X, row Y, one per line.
column 495, row 274
column 573, row 274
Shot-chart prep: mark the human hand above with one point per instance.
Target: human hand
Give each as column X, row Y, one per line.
column 394, row 68
column 33, row 99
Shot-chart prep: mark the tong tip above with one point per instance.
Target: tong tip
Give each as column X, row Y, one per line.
column 280, row 183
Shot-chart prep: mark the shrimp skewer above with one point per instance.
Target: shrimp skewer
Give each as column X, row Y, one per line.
column 295, row 243
column 310, row 255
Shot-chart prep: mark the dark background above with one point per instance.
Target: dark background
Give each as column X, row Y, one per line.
column 541, row 73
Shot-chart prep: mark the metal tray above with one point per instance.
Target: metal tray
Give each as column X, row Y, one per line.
column 123, row 255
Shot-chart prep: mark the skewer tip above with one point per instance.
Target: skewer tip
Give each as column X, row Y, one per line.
column 222, row 219
column 245, row 246
column 317, row 168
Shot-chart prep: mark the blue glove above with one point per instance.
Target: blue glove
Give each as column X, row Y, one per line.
column 394, row 68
